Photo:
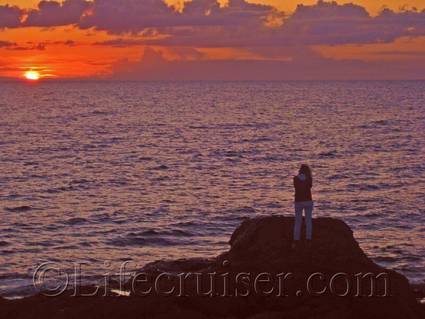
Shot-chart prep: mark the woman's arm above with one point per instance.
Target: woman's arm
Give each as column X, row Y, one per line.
column 296, row 182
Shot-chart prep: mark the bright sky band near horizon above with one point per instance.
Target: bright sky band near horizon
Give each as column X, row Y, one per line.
column 212, row 40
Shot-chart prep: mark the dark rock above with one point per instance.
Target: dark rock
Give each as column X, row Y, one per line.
column 258, row 246
column 180, row 265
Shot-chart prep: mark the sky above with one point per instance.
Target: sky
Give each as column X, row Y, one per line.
column 213, row 40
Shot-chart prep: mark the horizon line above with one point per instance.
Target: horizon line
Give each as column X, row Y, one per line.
column 24, row 81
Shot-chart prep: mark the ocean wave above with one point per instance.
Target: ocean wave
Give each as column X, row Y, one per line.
column 4, row 243
column 240, row 210
column 159, row 233
column 76, row 221
column 19, row 209
column 141, row 241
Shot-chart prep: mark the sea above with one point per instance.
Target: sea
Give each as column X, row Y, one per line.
column 97, row 173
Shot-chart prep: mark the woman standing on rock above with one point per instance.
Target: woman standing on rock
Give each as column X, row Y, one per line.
column 303, row 183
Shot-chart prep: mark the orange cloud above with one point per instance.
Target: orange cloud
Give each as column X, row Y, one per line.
column 402, row 49
column 72, row 56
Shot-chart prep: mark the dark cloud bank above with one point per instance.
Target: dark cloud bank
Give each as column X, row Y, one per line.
column 205, row 23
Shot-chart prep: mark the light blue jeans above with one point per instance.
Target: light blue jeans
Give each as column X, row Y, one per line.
column 308, row 211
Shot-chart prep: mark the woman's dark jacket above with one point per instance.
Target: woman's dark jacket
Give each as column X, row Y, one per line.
column 303, row 189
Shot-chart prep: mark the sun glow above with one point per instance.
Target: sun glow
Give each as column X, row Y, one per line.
column 32, row 75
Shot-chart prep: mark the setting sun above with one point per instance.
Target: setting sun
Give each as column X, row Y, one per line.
column 32, row 75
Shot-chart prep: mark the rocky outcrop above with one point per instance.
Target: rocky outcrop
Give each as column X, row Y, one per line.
column 261, row 276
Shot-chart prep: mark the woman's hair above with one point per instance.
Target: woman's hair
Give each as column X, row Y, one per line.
column 305, row 169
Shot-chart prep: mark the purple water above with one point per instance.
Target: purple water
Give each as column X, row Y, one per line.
column 109, row 171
